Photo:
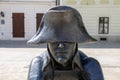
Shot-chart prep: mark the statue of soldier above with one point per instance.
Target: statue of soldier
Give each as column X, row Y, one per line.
column 62, row 29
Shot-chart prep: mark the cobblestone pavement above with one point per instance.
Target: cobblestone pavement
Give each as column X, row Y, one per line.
column 15, row 57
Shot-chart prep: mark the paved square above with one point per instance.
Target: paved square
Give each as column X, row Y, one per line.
column 16, row 56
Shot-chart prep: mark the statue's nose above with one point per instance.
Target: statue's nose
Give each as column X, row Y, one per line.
column 61, row 45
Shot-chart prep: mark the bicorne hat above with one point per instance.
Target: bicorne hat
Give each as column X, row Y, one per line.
column 61, row 23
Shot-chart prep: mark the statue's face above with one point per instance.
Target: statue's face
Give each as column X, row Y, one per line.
column 62, row 51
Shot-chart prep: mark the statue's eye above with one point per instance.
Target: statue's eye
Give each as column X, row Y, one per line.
column 54, row 43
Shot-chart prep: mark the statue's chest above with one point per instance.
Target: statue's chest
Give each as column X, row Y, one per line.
column 60, row 75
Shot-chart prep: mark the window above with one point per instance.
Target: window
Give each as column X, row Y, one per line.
column 117, row 2
column 87, row 2
column 57, row 2
column 70, row 2
column 104, row 1
column 103, row 25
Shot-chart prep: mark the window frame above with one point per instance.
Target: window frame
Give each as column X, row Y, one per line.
column 105, row 24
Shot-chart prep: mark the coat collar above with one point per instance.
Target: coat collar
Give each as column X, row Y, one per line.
column 75, row 63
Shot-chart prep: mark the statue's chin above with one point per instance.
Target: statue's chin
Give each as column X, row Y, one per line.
column 62, row 60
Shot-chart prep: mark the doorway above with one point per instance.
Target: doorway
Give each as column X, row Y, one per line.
column 18, row 24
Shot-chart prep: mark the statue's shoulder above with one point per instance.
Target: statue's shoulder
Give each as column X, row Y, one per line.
column 35, row 68
column 91, row 62
column 88, row 61
column 93, row 68
column 36, row 62
column 39, row 58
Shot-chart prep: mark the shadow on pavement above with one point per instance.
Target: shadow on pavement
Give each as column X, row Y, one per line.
column 23, row 44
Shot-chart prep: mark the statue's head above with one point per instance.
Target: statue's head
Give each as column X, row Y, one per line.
column 61, row 26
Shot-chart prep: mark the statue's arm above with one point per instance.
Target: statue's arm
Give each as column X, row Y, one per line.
column 35, row 69
column 93, row 68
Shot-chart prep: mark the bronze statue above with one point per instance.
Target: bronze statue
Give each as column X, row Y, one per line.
column 62, row 29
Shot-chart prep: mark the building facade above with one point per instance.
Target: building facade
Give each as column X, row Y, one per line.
column 101, row 17
column 19, row 19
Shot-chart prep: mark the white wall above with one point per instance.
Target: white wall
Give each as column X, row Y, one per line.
column 91, row 21
column 91, row 14
column 29, row 10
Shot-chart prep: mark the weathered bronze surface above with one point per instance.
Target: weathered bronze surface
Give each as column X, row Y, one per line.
column 62, row 28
